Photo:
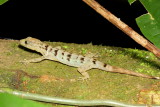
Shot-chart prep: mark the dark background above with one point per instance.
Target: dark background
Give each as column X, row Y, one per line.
column 70, row 21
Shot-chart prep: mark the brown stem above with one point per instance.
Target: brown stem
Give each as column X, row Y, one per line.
column 122, row 26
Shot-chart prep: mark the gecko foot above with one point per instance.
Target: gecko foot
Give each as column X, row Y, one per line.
column 83, row 78
column 24, row 62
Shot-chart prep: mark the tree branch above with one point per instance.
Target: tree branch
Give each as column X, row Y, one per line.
column 124, row 27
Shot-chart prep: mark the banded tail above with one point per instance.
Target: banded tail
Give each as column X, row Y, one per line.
column 110, row 68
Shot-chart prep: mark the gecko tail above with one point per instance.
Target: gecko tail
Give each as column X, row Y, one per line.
column 157, row 78
column 110, row 68
column 124, row 71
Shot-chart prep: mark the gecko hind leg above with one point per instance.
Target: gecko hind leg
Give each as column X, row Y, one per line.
column 82, row 70
column 33, row 60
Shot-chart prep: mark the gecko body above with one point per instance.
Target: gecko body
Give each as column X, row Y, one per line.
column 83, row 63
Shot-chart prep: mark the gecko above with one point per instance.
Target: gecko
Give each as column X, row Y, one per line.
column 83, row 63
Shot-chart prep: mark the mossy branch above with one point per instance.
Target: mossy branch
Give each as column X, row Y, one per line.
column 124, row 27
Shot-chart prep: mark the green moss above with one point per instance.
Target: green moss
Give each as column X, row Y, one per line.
column 54, row 78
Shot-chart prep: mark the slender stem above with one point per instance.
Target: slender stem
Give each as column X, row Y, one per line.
column 73, row 102
column 122, row 26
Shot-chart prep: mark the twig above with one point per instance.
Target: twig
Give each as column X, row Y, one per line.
column 122, row 26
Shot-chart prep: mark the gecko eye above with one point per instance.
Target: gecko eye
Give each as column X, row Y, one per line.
column 26, row 42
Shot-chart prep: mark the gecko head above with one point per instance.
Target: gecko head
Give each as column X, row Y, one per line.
column 31, row 43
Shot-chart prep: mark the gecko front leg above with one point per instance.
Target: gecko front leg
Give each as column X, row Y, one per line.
column 33, row 60
column 82, row 70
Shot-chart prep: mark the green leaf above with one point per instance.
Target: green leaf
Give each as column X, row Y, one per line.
column 3, row 1
column 131, row 1
column 8, row 100
column 150, row 28
column 150, row 23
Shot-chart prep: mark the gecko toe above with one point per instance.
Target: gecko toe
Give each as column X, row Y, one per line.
column 24, row 62
column 82, row 78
